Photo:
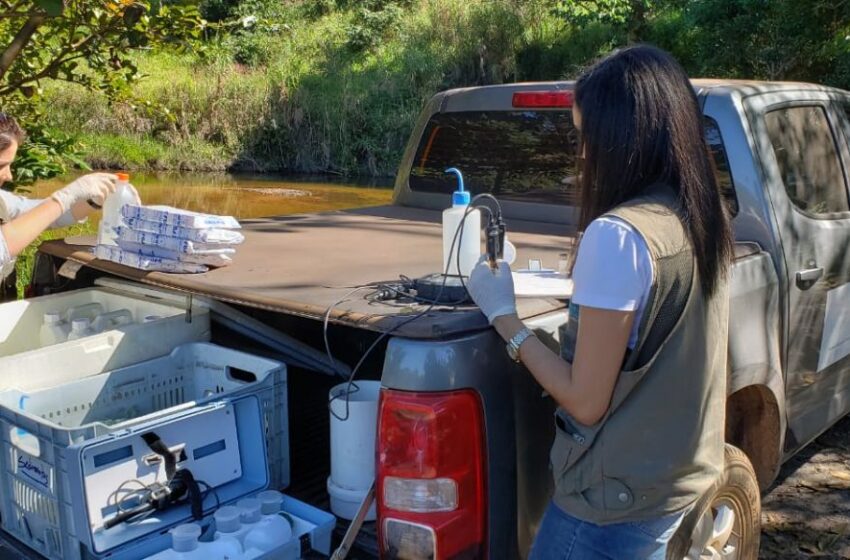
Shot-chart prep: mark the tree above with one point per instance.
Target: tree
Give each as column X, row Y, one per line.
column 85, row 42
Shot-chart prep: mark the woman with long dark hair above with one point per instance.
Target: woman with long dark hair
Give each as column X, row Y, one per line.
column 641, row 381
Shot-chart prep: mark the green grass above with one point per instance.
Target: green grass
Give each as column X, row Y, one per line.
column 311, row 102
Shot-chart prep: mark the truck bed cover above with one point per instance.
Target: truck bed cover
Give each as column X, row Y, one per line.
column 302, row 264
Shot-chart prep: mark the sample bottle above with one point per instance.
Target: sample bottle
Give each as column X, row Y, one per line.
column 273, row 530
column 250, row 515
column 464, row 241
column 228, row 523
column 112, row 218
column 88, row 310
column 52, row 329
column 80, row 328
column 185, row 546
column 112, row 319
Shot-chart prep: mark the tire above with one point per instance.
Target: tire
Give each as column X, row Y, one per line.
column 737, row 492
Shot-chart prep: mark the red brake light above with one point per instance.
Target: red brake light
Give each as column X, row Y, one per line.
column 543, row 99
column 431, row 464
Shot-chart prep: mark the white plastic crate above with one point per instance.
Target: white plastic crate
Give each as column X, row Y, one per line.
column 24, row 364
column 38, row 428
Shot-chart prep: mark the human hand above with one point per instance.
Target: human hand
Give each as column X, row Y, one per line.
column 94, row 186
column 492, row 290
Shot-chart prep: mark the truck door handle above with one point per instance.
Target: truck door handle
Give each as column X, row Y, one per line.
column 807, row 278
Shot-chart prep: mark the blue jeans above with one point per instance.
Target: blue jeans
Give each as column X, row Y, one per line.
column 563, row 537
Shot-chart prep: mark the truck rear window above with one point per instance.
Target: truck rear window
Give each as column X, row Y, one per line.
column 515, row 155
column 528, row 156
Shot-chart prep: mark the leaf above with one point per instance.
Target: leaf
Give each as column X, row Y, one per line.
column 52, row 7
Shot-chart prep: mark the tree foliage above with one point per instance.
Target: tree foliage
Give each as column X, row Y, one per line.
column 85, row 42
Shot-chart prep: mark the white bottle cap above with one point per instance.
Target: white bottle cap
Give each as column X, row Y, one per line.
column 80, row 325
column 270, row 500
column 251, row 510
column 52, row 317
column 227, row 519
column 184, row 538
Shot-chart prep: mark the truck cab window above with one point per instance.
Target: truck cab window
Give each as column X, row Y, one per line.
column 806, row 154
column 516, row 155
column 717, row 151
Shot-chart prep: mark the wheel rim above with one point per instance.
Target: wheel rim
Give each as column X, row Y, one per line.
column 718, row 533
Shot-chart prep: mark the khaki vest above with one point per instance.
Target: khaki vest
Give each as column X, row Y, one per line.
column 660, row 445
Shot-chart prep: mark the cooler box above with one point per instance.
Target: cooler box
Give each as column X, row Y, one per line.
column 24, row 364
column 68, row 448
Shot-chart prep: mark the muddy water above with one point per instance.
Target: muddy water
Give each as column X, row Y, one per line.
column 248, row 196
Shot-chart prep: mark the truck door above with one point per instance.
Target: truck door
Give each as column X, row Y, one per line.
column 803, row 149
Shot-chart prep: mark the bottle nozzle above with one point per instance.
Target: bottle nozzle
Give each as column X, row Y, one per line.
column 460, row 196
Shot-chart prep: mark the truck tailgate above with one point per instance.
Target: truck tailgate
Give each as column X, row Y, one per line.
column 305, row 263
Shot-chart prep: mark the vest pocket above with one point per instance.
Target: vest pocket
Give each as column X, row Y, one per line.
column 570, row 445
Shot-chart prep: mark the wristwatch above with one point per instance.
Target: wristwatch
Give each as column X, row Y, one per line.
column 517, row 340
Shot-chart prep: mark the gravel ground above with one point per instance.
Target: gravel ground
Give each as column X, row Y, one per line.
column 807, row 512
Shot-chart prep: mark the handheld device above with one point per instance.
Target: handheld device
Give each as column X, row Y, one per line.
column 495, row 240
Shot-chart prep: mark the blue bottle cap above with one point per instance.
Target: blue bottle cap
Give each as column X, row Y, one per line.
column 460, row 197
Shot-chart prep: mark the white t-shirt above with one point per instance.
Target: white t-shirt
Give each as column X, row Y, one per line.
column 613, row 270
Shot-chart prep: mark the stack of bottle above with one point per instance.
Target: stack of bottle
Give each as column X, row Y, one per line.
column 83, row 320
column 164, row 238
column 251, row 529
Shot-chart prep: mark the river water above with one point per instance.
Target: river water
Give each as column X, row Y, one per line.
column 248, row 196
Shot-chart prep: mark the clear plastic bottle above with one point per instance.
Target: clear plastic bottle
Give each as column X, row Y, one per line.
column 80, row 328
column 53, row 329
column 88, row 310
column 112, row 218
column 112, row 319
column 467, row 243
column 273, row 530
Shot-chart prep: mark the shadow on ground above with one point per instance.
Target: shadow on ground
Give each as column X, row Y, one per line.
column 807, row 512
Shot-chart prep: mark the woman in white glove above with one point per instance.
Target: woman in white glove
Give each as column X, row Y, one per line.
column 640, row 388
column 22, row 220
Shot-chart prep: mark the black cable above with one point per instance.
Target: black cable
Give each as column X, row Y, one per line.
column 457, row 238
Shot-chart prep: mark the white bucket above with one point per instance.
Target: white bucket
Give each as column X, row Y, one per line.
column 353, row 433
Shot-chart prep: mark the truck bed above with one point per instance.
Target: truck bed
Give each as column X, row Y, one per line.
column 304, row 264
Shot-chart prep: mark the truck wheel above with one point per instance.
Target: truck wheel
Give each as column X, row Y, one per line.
column 726, row 523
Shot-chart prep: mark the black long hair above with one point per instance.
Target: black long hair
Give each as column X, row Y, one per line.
column 641, row 125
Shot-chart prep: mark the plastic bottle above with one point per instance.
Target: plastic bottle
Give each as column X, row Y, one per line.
column 88, row 310
column 467, row 243
column 80, row 328
column 112, row 218
column 185, row 546
column 250, row 515
column 273, row 530
column 228, row 523
column 52, row 329
column 112, row 319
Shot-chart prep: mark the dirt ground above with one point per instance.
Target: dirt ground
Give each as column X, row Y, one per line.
column 807, row 512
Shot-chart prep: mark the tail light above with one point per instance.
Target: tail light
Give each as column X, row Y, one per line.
column 543, row 99
column 432, row 491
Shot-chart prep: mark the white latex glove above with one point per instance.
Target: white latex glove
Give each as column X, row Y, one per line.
column 492, row 291
column 94, row 187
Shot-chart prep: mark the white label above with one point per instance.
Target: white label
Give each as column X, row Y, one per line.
column 835, row 343
column 69, row 269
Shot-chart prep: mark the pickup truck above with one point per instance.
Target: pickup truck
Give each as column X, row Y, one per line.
column 464, row 433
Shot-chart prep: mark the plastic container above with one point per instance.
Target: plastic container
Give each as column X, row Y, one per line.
column 467, row 242
column 112, row 217
column 228, row 523
column 26, row 364
column 80, row 328
column 36, row 485
column 311, row 528
column 353, row 432
column 86, row 310
column 53, row 329
column 184, row 544
column 272, row 531
column 112, row 320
